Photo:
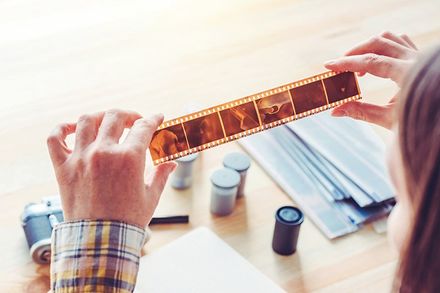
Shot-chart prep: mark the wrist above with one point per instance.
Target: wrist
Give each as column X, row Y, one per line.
column 109, row 211
column 99, row 221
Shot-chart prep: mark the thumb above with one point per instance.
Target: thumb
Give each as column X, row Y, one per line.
column 157, row 179
column 380, row 115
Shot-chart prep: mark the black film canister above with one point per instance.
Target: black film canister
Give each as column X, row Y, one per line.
column 288, row 220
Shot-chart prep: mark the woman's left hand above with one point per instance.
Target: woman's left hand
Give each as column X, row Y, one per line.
column 386, row 56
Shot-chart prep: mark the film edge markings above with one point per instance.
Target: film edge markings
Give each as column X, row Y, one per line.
column 230, row 121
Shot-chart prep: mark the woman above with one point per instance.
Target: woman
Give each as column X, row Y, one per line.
column 414, row 155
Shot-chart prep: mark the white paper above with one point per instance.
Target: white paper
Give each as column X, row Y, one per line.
column 200, row 262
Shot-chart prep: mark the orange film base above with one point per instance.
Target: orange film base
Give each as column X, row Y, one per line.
column 239, row 118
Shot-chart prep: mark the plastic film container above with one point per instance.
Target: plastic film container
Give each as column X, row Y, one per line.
column 288, row 221
column 181, row 178
column 224, row 191
column 240, row 163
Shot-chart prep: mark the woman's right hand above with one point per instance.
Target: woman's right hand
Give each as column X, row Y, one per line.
column 387, row 56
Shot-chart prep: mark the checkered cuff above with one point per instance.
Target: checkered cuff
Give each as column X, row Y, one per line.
column 95, row 256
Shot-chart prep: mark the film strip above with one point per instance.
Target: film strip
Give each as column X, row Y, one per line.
column 239, row 118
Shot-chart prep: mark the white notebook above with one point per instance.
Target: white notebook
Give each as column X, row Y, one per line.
column 200, row 262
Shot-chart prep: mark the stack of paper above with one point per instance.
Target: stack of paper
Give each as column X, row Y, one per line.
column 333, row 168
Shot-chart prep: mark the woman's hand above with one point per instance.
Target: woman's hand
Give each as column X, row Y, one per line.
column 387, row 56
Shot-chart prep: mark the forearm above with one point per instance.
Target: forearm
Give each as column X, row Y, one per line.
column 95, row 256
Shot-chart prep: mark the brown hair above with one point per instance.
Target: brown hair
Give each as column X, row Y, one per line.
column 419, row 134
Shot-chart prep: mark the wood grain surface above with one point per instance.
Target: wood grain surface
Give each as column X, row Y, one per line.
column 59, row 59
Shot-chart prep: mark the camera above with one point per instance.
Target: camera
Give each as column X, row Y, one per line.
column 38, row 221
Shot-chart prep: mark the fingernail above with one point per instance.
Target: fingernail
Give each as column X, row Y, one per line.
column 330, row 63
column 339, row 113
column 158, row 116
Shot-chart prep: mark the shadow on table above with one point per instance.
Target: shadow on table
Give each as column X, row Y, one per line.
column 41, row 283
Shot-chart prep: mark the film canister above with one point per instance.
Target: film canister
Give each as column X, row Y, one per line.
column 181, row 178
column 288, row 220
column 224, row 191
column 240, row 163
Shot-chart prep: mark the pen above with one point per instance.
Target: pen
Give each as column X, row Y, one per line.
column 181, row 219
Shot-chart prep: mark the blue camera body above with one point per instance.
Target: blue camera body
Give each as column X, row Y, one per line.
column 38, row 221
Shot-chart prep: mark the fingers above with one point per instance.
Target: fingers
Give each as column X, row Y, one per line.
column 409, row 41
column 382, row 46
column 378, row 65
column 158, row 178
column 142, row 131
column 56, row 143
column 87, row 129
column 395, row 38
column 402, row 39
column 380, row 115
column 114, row 123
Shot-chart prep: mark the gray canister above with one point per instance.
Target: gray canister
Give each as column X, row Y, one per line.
column 224, row 191
column 181, row 178
column 240, row 163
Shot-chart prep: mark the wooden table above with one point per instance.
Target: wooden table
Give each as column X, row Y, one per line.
column 59, row 59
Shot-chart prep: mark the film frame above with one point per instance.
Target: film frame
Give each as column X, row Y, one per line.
column 230, row 121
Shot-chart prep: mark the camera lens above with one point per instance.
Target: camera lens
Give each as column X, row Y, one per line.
column 45, row 256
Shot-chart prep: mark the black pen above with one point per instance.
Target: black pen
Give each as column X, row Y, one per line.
column 181, row 219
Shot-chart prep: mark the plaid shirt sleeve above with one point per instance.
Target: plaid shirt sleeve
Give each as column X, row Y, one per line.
column 95, row 256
